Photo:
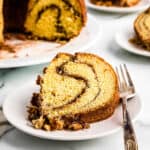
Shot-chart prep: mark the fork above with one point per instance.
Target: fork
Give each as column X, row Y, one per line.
column 127, row 91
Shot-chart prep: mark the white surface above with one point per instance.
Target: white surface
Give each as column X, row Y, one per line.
column 107, row 48
column 139, row 7
column 122, row 38
column 20, row 99
column 42, row 52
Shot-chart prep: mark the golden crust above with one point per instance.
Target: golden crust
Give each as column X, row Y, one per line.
column 101, row 113
column 84, row 11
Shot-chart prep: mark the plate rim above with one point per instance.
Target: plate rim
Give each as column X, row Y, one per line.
column 60, row 138
column 34, row 60
column 116, row 9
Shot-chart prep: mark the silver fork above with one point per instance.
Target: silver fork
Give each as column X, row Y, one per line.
column 127, row 90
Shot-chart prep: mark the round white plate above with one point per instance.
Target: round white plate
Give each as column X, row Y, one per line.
column 42, row 52
column 15, row 110
column 142, row 5
column 122, row 39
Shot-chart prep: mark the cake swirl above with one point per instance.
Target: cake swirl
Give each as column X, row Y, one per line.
column 81, row 88
column 142, row 28
column 55, row 19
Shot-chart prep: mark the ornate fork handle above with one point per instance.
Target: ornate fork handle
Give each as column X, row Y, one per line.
column 129, row 134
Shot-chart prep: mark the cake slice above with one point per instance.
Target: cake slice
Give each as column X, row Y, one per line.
column 74, row 90
column 142, row 28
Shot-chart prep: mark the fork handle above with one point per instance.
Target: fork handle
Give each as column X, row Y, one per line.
column 129, row 134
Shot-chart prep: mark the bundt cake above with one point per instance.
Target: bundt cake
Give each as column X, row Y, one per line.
column 122, row 3
column 142, row 29
column 74, row 90
column 43, row 19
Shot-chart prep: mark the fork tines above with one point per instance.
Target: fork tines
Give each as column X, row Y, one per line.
column 125, row 81
column 123, row 75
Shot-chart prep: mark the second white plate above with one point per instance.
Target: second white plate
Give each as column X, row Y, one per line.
column 122, row 39
column 143, row 4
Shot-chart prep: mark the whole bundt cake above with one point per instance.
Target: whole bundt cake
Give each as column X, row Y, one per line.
column 74, row 90
column 43, row 19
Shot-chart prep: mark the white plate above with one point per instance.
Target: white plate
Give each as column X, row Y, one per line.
column 142, row 5
column 122, row 39
column 42, row 52
column 15, row 110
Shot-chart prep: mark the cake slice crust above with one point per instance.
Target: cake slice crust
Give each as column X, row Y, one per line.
column 94, row 77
